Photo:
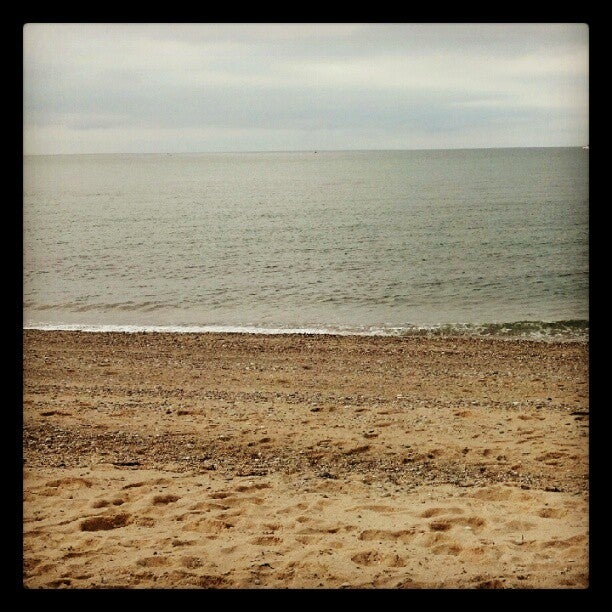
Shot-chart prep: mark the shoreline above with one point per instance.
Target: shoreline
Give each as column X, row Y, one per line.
column 575, row 330
column 307, row 461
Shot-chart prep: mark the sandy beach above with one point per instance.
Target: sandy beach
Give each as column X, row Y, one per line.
column 159, row 460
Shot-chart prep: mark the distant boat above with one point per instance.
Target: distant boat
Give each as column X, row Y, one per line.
column 586, row 147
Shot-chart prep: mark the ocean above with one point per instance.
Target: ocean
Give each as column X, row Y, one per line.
column 491, row 241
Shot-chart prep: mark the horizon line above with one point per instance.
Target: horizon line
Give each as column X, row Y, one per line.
column 311, row 150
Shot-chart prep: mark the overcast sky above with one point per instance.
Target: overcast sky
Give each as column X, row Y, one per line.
column 100, row 88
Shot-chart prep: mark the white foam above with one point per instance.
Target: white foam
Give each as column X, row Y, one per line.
column 457, row 329
column 203, row 329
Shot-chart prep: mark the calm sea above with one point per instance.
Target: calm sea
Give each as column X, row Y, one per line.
column 489, row 240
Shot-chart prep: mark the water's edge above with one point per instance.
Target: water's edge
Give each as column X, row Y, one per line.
column 574, row 330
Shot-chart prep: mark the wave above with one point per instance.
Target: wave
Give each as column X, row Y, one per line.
column 92, row 307
column 572, row 329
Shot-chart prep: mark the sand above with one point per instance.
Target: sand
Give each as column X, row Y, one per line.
column 292, row 461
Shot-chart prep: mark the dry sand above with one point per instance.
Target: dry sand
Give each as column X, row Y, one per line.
column 248, row 461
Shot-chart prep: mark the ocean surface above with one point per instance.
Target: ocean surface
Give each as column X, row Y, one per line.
column 383, row 242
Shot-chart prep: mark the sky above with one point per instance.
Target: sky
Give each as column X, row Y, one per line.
column 171, row 88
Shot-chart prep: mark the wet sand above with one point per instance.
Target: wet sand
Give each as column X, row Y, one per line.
column 250, row 461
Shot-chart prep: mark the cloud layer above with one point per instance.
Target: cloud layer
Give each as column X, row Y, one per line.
column 169, row 88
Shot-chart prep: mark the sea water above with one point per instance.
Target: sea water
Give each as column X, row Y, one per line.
column 483, row 240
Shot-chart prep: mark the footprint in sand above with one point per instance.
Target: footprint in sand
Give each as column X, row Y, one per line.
column 266, row 541
column 133, row 485
column 212, row 526
column 220, row 495
column 155, row 561
column 552, row 512
column 105, row 523
column 30, row 564
column 292, row 509
column 490, row 584
column 447, row 549
column 517, row 525
column 74, row 554
column 191, row 562
column 500, row 493
column 437, row 511
column 561, row 544
column 474, row 523
column 207, row 506
column 372, row 557
column 253, row 487
column 440, row 525
column 103, row 503
column 69, row 483
column 183, row 542
column 239, row 501
column 375, row 508
column 160, row 500
column 54, row 584
column 212, row 582
column 436, row 537
column 474, row 554
column 380, row 535
column 550, row 455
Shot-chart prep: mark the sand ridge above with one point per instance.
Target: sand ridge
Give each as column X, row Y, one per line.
column 231, row 461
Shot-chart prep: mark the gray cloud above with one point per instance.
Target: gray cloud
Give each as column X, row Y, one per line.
column 106, row 88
